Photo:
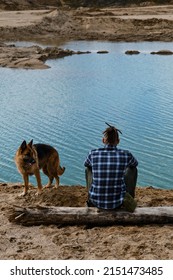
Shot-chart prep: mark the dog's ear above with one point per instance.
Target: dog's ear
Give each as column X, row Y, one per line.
column 23, row 146
column 30, row 143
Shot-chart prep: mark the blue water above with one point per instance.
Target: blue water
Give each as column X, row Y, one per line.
column 67, row 106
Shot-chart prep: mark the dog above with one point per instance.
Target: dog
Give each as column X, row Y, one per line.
column 30, row 158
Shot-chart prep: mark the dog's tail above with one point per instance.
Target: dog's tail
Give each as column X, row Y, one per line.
column 61, row 170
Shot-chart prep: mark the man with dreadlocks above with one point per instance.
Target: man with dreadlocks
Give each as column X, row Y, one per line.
column 111, row 174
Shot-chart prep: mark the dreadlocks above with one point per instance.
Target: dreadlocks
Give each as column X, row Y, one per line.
column 111, row 134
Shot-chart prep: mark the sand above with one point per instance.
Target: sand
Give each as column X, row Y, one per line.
column 82, row 242
column 117, row 24
column 55, row 26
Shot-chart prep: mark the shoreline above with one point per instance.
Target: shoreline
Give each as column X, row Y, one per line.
column 35, row 57
column 133, row 24
column 148, row 23
column 52, row 242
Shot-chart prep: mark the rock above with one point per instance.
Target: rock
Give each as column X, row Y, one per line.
column 33, row 57
column 130, row 52
column 100, row 52
column 163, row 52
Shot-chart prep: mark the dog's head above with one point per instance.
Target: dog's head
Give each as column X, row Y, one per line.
column 27, row 153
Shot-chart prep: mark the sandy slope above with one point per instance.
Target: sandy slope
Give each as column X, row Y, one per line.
column 127, row 24
column 59, row 25
column 81, row 242
column 22, row 18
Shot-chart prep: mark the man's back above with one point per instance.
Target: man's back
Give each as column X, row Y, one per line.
column 108, row 167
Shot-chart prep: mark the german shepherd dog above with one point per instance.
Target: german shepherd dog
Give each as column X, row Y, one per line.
column 30, row 158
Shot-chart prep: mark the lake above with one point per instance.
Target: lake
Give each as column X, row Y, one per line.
column 67, row 106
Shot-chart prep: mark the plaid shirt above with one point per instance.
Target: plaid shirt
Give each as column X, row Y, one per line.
column 108, row 167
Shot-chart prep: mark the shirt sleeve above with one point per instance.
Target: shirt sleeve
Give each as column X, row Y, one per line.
column 132, row 161
column 87, row 162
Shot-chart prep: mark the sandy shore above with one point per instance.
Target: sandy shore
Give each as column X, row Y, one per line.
column 81, row 242
column 54, row 26
column 152, row 23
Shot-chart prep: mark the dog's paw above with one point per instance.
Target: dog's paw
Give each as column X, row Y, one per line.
column 38, row 193
column 47, row 186
column 22, row 194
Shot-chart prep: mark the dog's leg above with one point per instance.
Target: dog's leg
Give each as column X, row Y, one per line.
column 52, row 169
column 57, row 182
column 39, row 184
column 26, row 184
column 49, row 184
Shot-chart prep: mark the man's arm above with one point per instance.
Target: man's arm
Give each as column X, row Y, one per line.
column 87, row 162
column 132, row 161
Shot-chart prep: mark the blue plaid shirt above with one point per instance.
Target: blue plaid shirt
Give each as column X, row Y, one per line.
column 108, row 167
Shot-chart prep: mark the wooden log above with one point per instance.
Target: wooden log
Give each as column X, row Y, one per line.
column 89, row 216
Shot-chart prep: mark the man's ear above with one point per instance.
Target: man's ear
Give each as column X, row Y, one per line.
column 104, row 140
column 30, row 143
column 23, row 146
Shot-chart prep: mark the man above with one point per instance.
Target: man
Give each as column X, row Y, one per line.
column 111, row 173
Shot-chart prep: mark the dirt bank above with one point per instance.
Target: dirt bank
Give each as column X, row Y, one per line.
column 54, row 26
column 152, row 23
column 81, row 242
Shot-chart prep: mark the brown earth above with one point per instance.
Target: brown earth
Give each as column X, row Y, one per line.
column 110, row 23
column 81, row 242
column 54, row 26
column 51, row 25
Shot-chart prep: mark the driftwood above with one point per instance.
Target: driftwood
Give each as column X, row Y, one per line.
column 89, row 216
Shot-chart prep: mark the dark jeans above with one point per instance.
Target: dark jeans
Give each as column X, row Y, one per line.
column 130, row 178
